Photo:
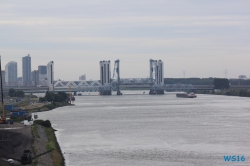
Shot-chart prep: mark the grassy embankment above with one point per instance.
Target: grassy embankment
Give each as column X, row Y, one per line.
column 56, row 154
column 36, row 107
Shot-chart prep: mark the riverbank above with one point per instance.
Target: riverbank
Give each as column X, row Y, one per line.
column 227, row 92
column 44, row 140
column 42, row 137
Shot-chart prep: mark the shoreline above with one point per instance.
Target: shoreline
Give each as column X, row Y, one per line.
column 228, row 92
column 51, row 133
column 45, row 139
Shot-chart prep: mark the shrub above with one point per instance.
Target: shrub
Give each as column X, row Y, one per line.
column 50, row 106
column 45, row 123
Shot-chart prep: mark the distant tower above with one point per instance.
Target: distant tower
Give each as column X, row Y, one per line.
column 27, row 70
column 156, row 76
column 105, row 72
column 11, row 74
column 105, row 76
column 160, row 72
column 157, row 72
column 50, row 75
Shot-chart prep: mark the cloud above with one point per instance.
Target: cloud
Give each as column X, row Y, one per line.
column 80, row 33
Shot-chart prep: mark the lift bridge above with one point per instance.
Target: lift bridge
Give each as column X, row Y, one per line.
column 106, row 84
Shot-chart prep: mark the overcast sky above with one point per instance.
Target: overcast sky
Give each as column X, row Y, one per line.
column 202, row 37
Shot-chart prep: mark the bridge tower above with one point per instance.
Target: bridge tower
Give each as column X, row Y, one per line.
column 156, row 76
column 116, row 75
column 105, row 73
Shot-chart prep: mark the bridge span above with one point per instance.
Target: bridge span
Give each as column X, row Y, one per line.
column 106, row 84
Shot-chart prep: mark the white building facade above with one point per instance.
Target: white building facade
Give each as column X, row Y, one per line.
column 50, row 75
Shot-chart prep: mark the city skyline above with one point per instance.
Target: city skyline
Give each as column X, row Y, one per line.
column 204, row 39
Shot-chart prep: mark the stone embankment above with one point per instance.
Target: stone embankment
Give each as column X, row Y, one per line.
column 40, row 147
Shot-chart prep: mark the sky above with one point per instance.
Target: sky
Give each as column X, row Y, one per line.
column 203, row 38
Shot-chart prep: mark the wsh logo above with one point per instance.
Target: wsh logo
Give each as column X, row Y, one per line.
column 234, row 158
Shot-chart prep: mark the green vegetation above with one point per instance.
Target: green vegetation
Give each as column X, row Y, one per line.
column 203, row 81
column 241, row 93
column 14, row 93
column 56, row 154
column 53, row 97
column 53, row 105
column 193, row 81
column 239, row 82
column 221, row 83
column 35, row 135
column 43, row 123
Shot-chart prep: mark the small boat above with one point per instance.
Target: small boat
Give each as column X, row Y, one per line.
column 186, row 95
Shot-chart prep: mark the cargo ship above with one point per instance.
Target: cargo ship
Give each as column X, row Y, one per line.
column 186, row 95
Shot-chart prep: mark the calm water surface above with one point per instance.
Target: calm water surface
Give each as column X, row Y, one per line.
column 147, row 130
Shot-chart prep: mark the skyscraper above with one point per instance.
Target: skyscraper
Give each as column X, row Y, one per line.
column 11, row 74
column 35, row 78
column 27, row 70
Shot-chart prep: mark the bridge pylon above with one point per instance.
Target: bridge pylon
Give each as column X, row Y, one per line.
column 116, row 76
column 105, row 73
column 156, row 76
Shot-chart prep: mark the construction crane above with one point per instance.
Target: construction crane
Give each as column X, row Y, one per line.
column 2, row 119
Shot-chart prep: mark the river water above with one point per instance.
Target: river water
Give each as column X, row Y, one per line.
column 137, row 129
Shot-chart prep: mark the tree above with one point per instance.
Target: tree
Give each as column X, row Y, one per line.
column 19, row 93
column 50, row 96
column 63, row 96
column 14, row 93
column 11, row 92
column 221, row 83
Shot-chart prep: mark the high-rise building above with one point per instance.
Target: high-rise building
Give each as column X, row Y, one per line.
column 50, row 75
column 82, row 77
column 3, row 77
column 20, row 81
column 35, row 78
column 27, row 70
column 11, row 74
column 42, row 70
